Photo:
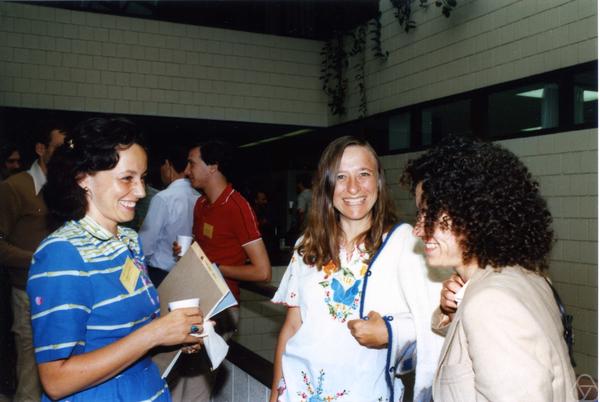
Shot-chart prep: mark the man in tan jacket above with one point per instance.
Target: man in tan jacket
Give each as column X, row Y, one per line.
column 23, row 225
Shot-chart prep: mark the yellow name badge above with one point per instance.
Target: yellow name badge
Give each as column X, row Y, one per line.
column 129, row 275
column 207, row 230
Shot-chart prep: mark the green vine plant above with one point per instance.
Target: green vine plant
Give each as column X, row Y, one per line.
column 376, row 38
column 359, row 41
column 447, row 5
column 403, row 10
column 403, row 13
column 335, row 59
column 333, row 67
column 335, row 62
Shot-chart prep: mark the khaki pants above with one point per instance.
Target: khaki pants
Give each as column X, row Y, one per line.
column 191, row 380
column 29, row 388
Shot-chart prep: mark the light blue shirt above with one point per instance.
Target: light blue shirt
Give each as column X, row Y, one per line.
column 171, row 213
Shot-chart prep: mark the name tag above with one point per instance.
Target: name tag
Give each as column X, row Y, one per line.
column 129, row 275
column 207, row 230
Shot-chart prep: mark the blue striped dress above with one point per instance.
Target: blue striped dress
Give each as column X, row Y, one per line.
column 78, row 304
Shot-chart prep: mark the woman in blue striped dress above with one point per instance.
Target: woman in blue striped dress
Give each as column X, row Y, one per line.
column 94, row 312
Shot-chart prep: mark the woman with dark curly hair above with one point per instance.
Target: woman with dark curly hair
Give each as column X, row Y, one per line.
column 480, row 212
column 359, row 298
column 94, row 311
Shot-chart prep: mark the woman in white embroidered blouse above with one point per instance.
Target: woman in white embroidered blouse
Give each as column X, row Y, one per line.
column 359, row 298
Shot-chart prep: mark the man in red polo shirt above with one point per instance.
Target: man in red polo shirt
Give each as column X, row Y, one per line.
column 226, row 228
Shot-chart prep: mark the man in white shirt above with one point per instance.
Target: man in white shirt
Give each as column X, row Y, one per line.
column 170, row 214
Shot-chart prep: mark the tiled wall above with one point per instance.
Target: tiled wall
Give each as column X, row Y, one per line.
column 566, row 166
column 260, row 320
column 69, row 60
column 239, row 386
column 484, row 42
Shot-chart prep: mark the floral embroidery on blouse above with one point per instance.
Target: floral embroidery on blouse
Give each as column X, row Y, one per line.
column 342, row 285
column 329, row 268
column 316, row 395
column 281, row 387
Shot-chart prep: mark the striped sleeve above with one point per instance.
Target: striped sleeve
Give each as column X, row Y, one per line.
column 61, row 299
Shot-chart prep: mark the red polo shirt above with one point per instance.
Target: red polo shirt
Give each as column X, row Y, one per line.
column 223, row 228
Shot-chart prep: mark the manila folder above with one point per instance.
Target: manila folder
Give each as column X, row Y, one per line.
column 193, row 276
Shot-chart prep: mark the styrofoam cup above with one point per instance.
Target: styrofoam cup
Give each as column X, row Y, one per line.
column 185, row 303
column 185, row 242
column 174, row 305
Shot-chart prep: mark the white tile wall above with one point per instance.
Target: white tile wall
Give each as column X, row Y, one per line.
column 260, row 320
column 482, row 43
column 566, row 166
column 70, row 60
column 238, row 386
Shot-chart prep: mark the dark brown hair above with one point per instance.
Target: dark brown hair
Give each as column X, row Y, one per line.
column 491, row 199
column 91, row 147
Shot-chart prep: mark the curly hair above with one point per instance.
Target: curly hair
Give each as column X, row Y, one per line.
column 493, row 203
column 320, row 243
column 91, row 147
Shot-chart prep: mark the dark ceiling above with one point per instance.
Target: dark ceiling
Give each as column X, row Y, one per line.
column 311, row 19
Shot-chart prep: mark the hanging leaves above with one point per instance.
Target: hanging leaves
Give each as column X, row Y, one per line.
column 333, row 67
column 335, row 59
column 376, row 38
column 403, row 13
column 359, row 42
column 447, row 5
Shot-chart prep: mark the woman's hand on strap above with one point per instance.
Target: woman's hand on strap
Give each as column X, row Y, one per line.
column 372, row 332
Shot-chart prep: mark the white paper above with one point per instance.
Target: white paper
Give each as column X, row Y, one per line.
column 216, row 347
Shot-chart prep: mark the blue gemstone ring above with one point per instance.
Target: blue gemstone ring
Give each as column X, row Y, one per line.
column 194, row 329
